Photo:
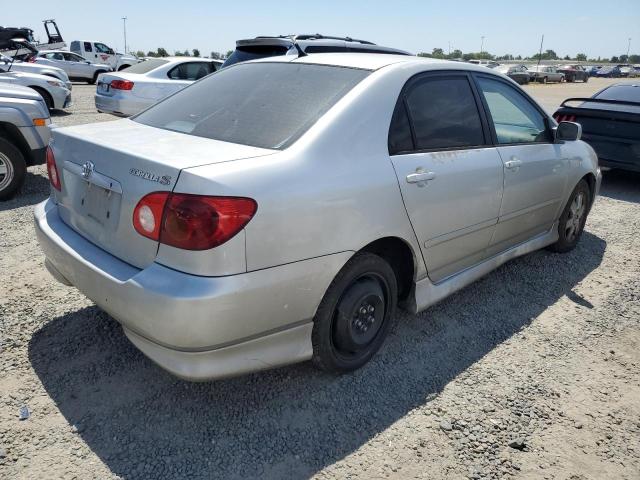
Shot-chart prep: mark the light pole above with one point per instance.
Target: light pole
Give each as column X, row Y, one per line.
column 628, row 48
column 124, row 27
column 482, row 44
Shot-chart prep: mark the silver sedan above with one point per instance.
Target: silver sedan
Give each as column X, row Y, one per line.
column 279, row 211
column 139, row 86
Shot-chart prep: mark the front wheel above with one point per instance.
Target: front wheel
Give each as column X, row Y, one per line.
column 586, row 79
column 355, row 314
column 573, row 218
column 13, row 169
column 48, row 99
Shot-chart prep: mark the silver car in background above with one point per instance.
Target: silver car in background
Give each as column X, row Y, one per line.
column 279, row 210
column 76, row 67
column 139, row 86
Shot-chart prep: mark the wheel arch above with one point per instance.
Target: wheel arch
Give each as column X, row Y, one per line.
column 399, row 254
column 11, row 133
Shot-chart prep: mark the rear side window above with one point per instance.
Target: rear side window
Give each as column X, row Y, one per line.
column 444, row 114
column 244, row 54
column 87, row 47
column 400, row 139
column 190, row 71
column 267, row 105
column 75, row 46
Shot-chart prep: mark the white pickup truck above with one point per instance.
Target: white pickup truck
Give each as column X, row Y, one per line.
column 97, row 52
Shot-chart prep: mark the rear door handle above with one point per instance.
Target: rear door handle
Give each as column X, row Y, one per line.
column 513, row 164
column 420, row 177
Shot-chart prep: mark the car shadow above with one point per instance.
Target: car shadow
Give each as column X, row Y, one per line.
column 293, row 421
column 34, row 190
column 621, row 185
column 58, row 112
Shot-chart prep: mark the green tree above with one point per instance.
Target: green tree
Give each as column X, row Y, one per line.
column 162, row 52
column 455, row 54
column 151, row 53
column 229, row 52
column 546, row 55
column 139, row 53
column 424, row 54
column 196, row 52
column 634, row 58
column 216, row 55
column 614, row 59
column 437, row 53
column 581, row 57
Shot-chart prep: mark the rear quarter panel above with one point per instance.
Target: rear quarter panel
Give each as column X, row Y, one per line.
column 334, row 190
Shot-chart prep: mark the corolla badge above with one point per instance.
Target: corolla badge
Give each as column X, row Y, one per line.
column 87, row 169
column 152, row 177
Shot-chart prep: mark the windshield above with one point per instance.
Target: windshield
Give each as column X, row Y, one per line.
column 243, row 54
column 146, row 66
column 267, row 105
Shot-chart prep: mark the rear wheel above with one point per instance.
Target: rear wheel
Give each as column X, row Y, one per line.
column 586, row 79
column 573, row 218
column 12, row 169
column 48, row 100
column 355, row 314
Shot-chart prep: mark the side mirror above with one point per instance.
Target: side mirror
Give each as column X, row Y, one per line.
column 569, row 131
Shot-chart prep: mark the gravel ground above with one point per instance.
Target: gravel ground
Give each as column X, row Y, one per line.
column 532, row 372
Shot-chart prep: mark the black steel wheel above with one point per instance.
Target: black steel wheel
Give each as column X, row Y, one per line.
column 355, row 314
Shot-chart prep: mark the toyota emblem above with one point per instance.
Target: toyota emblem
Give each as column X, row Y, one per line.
column 87, row 169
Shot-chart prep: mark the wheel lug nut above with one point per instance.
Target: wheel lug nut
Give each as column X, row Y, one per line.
column 371, row 309
column 363, row 310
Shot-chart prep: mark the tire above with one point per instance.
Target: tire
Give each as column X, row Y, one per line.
column 95, row 77
column 573, row 218
column 48, row 100
column 13, row 169
column 563, row 79
column 586, row 79
column 355, row 314
column 544, row 80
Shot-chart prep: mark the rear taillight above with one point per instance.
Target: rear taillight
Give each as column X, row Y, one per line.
column 52, row 170
column 121, row 84
column 564, row 118
column 191, row 222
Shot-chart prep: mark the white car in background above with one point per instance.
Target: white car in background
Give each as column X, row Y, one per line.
column 55, row 93
column 76, row 67
column 132, row 90
column 8, row 64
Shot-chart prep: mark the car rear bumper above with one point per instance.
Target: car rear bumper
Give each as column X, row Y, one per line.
column 116, row 105
column 198, row 328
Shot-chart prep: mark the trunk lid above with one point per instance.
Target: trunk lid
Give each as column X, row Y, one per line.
column 107, row 168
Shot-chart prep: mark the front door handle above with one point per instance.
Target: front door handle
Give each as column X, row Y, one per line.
column 420, row 176
column 513, row 164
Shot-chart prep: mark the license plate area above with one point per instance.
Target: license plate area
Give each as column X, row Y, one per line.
column 103, row 87
column 96, row 200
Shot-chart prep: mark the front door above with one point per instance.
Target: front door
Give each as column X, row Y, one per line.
column 535, row 172
column 449, row 176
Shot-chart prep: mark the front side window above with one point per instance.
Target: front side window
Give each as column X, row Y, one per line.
column 266, row 105
column 190, row 71
column 515, row 119
column 444, row 114
column 102, row 48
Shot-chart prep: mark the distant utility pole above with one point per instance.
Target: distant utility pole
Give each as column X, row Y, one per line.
column 449, row 48
column 540, row 54
column 124, row 27
column 628, row 48
column 482, row 44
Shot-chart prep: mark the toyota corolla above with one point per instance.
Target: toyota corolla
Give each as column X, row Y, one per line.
column 279, row 210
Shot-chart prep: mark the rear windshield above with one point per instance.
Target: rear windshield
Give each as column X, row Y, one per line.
column 146, row 66
column 243, row 54
column 625, row 93
column 267, row 105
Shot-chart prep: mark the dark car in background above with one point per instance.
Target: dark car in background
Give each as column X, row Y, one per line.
column 610, row 124
column 300, row 45
column 518, row 73
column 573, row 73
column 608, row 72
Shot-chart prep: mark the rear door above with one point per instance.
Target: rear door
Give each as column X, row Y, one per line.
column 535, row 168
column 449, row 175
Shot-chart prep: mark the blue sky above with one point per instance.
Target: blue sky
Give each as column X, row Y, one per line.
column 597, row 28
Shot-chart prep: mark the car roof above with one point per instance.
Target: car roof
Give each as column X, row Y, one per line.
column 374, row 61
